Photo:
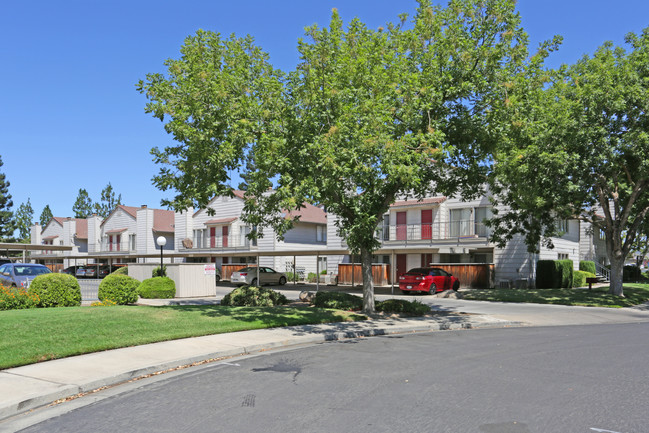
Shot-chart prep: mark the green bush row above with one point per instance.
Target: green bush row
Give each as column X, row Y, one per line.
column 579, row 278
column 346, row 301
column 56, row 290
column 588, row 266
column 631, row 273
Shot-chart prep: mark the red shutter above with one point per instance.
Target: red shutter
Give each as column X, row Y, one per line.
column 402, row 228
column 427, row 224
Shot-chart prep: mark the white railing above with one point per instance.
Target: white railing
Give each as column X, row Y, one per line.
column 433, row 231
column 117, row 247
column 222, row 242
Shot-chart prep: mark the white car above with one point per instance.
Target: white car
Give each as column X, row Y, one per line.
column 266, row 276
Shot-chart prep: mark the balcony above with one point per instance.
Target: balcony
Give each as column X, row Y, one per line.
column 230, row 242
column 117, row 247
column 430, row 232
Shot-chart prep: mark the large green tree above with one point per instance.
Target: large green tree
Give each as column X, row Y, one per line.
column 579, row 148
column 6, row 216
column 24, row 218
column 107, row 202
column 83, row 206
column 367, row 116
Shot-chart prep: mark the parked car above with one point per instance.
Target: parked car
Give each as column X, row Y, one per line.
column 266, row 276
column 108, row 269
column 429, row 280
column 91, row 271
column 71, row 270
column 21, row 274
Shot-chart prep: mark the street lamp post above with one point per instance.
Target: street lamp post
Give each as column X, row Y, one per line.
column 161, row 241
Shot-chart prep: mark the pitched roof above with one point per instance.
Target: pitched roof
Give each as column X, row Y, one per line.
column 81, row 228
column 309, row 214
column 163, row 220
column 221, row 221
column 415, row 202
column 132, row 211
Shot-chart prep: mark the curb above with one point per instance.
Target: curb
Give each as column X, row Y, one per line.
column 28, row 385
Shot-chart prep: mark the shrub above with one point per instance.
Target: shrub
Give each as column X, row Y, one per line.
column 16, row 298
column 121, row 271
column 554, row 274
column 588, row 266
column 120, row 289
column 631, row 273
column 311, row 278
column 106, row 303
column 323, row 272
column 290, row 276
column 579, row 278
column 56, row 290
column 157, row 288
column 251, row 296
column 157, row 272
column 338, row 300
column 401, row 306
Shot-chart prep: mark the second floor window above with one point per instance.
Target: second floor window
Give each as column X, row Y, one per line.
column 321, row 233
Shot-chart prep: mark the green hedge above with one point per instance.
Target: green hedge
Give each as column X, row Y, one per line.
column 631, row 273
column 554, row 274
column 120, row 289
column 579, row 278
column 338, row 300
column 401, row 306
column 56, row 290
column 157, row 288
column 251, row 296
column 588, row 266
column 120, row 271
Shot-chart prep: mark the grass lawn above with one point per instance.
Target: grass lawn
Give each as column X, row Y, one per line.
column 635, row 294
column 34, row 335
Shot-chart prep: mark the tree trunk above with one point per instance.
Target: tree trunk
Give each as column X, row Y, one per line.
column 617, row 269
column 368, row 284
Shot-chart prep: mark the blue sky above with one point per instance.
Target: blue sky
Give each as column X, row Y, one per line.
column 70, row 116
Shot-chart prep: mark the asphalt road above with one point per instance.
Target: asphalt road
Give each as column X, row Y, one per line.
column 519, row 380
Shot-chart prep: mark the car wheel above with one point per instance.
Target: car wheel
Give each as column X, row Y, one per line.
column 456, row 286
column 218, row 278
column 282, row 281
column 432, row 289
column 253, row 282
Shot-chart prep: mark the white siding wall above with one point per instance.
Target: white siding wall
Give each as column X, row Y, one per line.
column 94, row 233
column 54, row 229
column 118, row 220
column 514, row 262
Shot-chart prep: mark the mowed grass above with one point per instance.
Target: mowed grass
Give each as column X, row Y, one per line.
column 635, row 294
column 35, row 335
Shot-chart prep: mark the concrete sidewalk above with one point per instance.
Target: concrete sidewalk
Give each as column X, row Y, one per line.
column 31, row 386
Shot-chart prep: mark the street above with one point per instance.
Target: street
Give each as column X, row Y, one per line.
column 518, row 380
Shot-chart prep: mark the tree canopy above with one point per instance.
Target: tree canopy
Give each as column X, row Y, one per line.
column 368, row 115
column 46, row 216
column 24, row 218
column 83, row 206
column 579, row 148
column 107, row 202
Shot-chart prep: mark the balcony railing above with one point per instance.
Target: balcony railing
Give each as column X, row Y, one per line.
column 433, row 231
column 223, row 242
column 117, row 247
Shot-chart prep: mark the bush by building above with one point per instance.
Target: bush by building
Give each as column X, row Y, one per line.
column 631, row 273
column 120, row 271
column 120, row 289
column 56, row 290
column 588, row 266
column 554, row 274
column 579, row 278
column 157, row 288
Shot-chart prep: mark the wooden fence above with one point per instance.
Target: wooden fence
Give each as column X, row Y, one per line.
column 471, row 275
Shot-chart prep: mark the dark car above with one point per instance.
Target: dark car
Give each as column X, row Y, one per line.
column 91, row 271
column 71, row 270
column 429, row 280
column 108, row 269
column 20, row 274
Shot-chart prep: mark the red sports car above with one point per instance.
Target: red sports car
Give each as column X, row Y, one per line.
column 429, row 280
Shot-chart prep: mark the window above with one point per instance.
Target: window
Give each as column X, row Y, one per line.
column 482, row 214
column 563, row 256
column 386, row 227
column 322, row 264
column 131, row 242
column 562, row 226
column 321, row 233
column 200, row 238
column 460, row 222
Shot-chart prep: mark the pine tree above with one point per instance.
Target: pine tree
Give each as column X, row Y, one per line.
column 83, row 206
column 108, row 202
column 24, row 217
column 6, row 216
column 46, row 215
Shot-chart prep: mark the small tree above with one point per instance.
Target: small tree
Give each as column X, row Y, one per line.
column 24, row 218
column 83, row 206
column 46, row 215
column 108, row 202
column 6, row 216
